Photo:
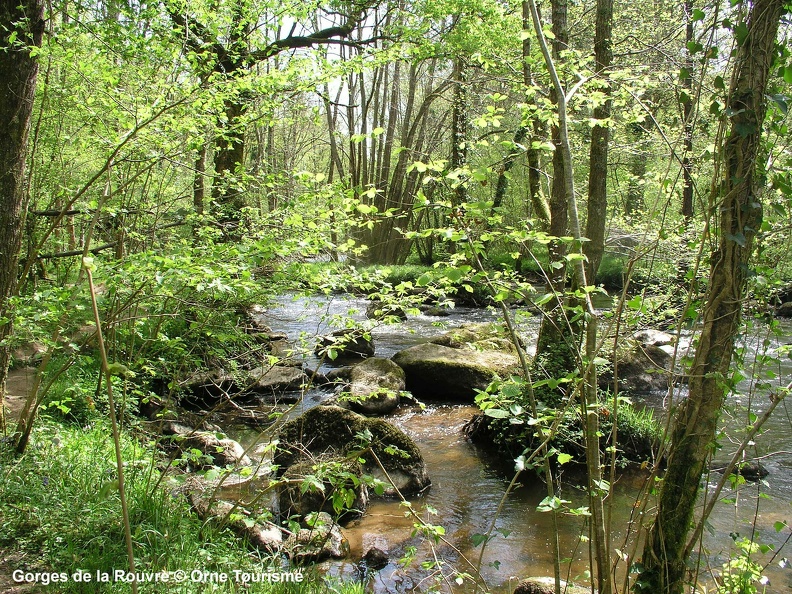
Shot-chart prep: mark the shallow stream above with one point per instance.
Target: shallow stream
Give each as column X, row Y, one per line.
column 467, row 493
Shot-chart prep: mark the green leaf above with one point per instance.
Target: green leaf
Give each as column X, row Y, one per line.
column 782, row 101
column 741, row 33
column 788, row 74
column 694, row 47
column 496, row 413
column 779, row 526
column 564, row 458
column 454, row 274
column 478, row 539
column 423, row 280
column 698, row 15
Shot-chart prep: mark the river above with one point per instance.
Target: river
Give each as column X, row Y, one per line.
column 467, row 493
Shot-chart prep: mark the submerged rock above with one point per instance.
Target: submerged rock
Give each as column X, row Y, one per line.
column 375, row 559
column 335, row 431
column 374, row 386
column 753, row 470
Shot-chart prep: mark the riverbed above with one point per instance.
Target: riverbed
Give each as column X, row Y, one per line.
column 467, row 491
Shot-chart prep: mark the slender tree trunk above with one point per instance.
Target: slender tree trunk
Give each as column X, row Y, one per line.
column 199, row 181
column 459, row 127
column 539, row 206
column 600, row 138
column 555, row 340
column 687, row 117
column 24, row 20
column 737, row 202
column 634, row 203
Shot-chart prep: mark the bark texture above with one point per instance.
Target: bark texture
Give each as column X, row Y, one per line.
column 597, row 208
column 21, row 27
column 555, row 344
column 739, row 208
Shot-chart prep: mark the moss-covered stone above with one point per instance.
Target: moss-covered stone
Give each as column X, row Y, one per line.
column 639, row 434
column 374, row 386
column 332, row 430
column 546, row 585
column 342, row 493
column 437, row 371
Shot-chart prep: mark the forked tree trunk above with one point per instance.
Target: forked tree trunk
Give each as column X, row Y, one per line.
column 738, row 204
column 21, row 27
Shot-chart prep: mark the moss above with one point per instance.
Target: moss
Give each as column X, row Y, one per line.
column 331, row 430
column 638, row 434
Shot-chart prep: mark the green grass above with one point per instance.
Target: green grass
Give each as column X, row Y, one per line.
column 60, row 511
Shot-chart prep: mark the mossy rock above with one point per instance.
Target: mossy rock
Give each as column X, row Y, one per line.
column 301, row 495
column 375, row 386
column 332, row 430
column 438, row 371
column 638, row 436
column 478, row 337
column 546, row 585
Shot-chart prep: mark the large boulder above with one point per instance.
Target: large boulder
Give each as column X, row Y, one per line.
column 334, row 431
column 438, row 371
column 374, row 386
column 276, row 379
column 478, row 337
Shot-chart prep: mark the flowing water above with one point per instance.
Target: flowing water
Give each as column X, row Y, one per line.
column 467, row 494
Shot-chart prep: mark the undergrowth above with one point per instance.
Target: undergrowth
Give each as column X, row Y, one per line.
column 60, row 512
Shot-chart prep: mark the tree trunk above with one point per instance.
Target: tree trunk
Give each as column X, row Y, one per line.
column 555, row 342
column 737, row 202
column 600, row 139
column 687, row 118
column 229, row 159
column 459, row 128
column 24, row 20
column 199, row 181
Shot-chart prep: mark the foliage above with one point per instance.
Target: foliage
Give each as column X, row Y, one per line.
column 510, row 424
column 69, row 472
